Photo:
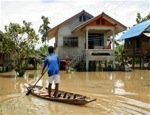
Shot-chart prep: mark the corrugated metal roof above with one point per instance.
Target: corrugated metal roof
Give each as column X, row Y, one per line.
column 135, row 30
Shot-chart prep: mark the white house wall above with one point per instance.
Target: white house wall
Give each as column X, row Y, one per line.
column 66, row 30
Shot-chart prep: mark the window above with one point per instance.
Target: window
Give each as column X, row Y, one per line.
column 98, row 39
column 83, row 18
column 70, row 41
column 98, row 42
column 128, row 43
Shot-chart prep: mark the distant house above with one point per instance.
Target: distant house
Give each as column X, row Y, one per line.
column 137, row 43
column 84, row 38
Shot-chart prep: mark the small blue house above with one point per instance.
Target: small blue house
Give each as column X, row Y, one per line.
column 137, row 44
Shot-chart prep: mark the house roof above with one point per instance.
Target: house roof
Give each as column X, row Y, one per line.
column 136, row 30
column 52, row 31
column 118, row 26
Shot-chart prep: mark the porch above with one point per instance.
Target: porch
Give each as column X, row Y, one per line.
column 90, row 57
column 99, row 54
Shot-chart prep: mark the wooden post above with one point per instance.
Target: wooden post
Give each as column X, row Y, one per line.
column 87, row 61
column 113, row 47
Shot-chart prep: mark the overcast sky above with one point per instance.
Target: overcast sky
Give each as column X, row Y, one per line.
column 57, row 11
column 124, row 11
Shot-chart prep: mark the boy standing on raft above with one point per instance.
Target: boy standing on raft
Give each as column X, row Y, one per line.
column 52, row 63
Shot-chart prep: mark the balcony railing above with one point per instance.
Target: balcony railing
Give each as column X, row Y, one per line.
column 100, row 54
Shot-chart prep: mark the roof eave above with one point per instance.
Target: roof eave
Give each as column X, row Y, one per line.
column 136, row 30
column 58, row 26
column 83, row 25
column 52, row 33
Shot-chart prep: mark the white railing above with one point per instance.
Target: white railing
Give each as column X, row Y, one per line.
column 93, row 54
column 100, row 54
column 77, row 59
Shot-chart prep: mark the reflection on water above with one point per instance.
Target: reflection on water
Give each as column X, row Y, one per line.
column 117, row 93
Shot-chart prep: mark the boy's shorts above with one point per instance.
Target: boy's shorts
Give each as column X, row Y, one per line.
column 55, row 78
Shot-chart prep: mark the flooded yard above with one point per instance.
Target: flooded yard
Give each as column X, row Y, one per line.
column 117, row 93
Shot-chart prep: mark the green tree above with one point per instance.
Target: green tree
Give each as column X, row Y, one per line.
column 140, row 19
column 118, row 51
column 43, row 29
column 42, row 51
column 19, row 41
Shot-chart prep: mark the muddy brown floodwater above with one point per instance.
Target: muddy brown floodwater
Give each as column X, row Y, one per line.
column 117, row 93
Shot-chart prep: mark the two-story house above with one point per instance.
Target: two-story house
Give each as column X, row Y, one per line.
column 84, row 37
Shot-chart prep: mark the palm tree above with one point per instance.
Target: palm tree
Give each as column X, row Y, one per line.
column 140, row 19
column 44, row 29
